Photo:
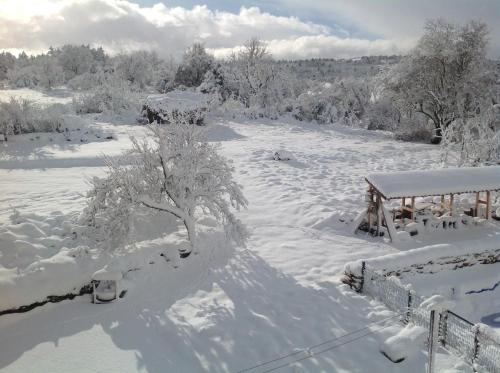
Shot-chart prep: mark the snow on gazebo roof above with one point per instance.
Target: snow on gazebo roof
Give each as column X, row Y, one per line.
column 435, row 182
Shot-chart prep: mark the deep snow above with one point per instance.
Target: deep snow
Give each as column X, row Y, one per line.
column 223, row 309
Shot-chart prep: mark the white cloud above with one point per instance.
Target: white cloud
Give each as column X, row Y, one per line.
column 120, row 25
column 389, row 19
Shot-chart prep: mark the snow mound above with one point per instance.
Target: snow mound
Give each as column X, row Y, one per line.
column 283, row 155
column 406, row 344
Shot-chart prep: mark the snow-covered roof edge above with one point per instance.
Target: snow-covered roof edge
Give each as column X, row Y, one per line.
column 435, row 182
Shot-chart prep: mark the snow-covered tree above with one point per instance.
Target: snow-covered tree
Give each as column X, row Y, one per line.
column 138, row 68
column 75, row 60
column 7, row 62
column 49, row 72
column 195, row 63
column 257, row 81
column 178, row 173
column 473, row 140
column 448, row 62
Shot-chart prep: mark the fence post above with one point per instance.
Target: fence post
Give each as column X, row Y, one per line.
column 432, row 340
column 408, row 312
column 476, row 344
column 443, row 327
column 362, row 283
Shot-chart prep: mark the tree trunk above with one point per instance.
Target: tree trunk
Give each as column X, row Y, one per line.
column 438, row 134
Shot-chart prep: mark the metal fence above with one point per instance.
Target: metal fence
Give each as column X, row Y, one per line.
column 456, row 334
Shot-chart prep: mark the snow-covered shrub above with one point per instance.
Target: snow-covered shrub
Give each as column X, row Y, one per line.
column 137, row 68
column 178, row 173
column 195, row 63
column 383, row 115
column 22, row 116
column 413, row 129
column 316, row 105
column 87, row 81
column 114, row 96
column 177, row 105
column 23, row 77
column 258, row 82
column 344, row 101
column 473, row 141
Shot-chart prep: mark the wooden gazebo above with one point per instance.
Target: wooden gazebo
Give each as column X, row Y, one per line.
column 446, row 184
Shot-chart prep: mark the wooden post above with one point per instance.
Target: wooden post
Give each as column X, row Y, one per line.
column 369, row 209
column 477, row 205
column 488, row 205
column 412, row 216
column 442, row 202
column 433, row 337
column 451, row 204
column 377, row 209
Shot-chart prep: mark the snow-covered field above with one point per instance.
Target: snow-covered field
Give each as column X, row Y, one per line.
column 223, row 309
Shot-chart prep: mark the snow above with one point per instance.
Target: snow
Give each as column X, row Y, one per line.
column 436, row 182
column 223, row 308
column 60, row 95
column 180, row 100
column 406, row 344
column 105, row 274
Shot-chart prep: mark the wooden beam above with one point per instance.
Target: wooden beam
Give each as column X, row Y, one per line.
column 377, row 209
column 412, row 216
column 477, row 205
column 488, row 205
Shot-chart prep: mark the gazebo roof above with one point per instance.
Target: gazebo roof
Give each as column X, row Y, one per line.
column 435, row 182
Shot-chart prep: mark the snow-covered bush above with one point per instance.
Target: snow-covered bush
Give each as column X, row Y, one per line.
column 316, row 105
column 263, row 86
column 344, row 101
column 138, row 68
column 178, row 173
column 22, row 116
column 473, row 141
column 414, row 129
column 87, row 81
column 195, row 63
column 113, row 95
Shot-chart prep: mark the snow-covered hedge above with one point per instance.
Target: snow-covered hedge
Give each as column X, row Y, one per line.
column 23, row 116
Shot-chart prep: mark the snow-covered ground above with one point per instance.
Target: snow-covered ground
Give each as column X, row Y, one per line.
column 224, row 309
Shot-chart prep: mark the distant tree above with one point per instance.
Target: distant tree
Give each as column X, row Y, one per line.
column 257, row 81
column 7, row 62
column 178, row 173
column 446, row 66
column 75, row 60
column 195, row 63
column 48, row 71
column 137, row 68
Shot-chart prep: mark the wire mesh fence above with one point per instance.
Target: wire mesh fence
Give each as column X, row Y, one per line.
column 488, row 353
column 456, row 334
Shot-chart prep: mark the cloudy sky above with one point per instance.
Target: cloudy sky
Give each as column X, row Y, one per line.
column 292, row 28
